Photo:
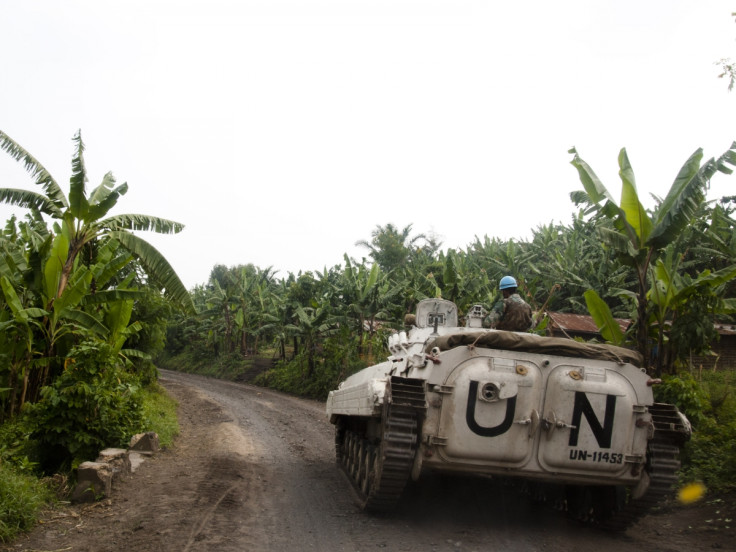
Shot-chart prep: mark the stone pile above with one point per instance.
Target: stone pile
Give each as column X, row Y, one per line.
column 95, row 479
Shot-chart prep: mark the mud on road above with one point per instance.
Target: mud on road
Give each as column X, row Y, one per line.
column 254, row 470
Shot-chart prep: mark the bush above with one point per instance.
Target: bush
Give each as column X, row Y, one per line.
column 687, row 394
column 16, row 447
column 93, row 404
column 291, row 377
column 21, row 497
column 710, row 455
column 336, row 360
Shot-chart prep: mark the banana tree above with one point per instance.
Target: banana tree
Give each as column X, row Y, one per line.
column 637, row 236
column 219, row 308
column 677, row 300
column 17, row 326
column 29, row 272
column 84, row 218
column 359, row 289
column 311, row 325
column 390, row 247
column 35, row 332
column 252, row 296
column 464, row 282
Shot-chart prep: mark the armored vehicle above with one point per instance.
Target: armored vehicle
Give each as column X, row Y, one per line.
column 575, row 423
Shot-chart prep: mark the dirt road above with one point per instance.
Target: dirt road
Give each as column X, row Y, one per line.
column 254, row 470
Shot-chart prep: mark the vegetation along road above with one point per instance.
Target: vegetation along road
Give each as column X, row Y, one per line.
column 254, row 470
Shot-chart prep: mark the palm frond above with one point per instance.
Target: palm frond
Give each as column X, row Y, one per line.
column 35, row 169
column 29, row 200
column 681, row 203
column 112, row 295
column 135, row 353
column 103, row 190
column 85, row 320
column 142, row 222
column 157, row 267
column 78, row 204
column 581, row 197
column 104, row 198
column 635, row 213
column 595, row 189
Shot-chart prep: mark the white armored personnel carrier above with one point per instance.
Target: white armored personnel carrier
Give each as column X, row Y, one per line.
column 575, row 422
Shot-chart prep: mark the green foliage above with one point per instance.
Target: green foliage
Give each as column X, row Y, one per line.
column 228, row 366
column 92, row 405
column 710, row 456
column 290, row 377
column 77, row 280
column 687, row 394
column 21, row 497
column 159, row 414
column 16, row 447
column 336, row 360
column 610, row 330
column 641, row 239
column 392, row 248
column 22, row 494
column 151, row 312
column 710, row 405
column 693, row 332
column 83, row 219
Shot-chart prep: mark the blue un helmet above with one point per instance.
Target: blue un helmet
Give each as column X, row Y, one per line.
column 507, row 282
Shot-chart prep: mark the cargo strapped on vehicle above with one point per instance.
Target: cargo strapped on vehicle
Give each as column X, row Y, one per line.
column 531, row 343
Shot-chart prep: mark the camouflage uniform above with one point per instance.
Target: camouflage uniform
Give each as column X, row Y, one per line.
column 511, row 314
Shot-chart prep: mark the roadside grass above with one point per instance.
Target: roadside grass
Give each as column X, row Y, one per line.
column 159, row 411
column 227, row 366
column 21, row 497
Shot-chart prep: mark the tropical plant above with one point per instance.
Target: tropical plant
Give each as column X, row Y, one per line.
column 84, row 219
column 638, row 237
column 392, row 248
column 74, row 282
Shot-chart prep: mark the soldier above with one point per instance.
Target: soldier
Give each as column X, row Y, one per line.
column 511, row 313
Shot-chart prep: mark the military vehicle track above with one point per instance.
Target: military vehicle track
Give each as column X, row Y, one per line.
column 379, row 471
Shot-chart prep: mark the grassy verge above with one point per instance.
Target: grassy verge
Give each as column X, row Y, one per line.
column 226, row 367
column 159, row 411
column 21, row 497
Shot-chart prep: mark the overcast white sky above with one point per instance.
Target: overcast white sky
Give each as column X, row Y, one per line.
column 281, row 132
